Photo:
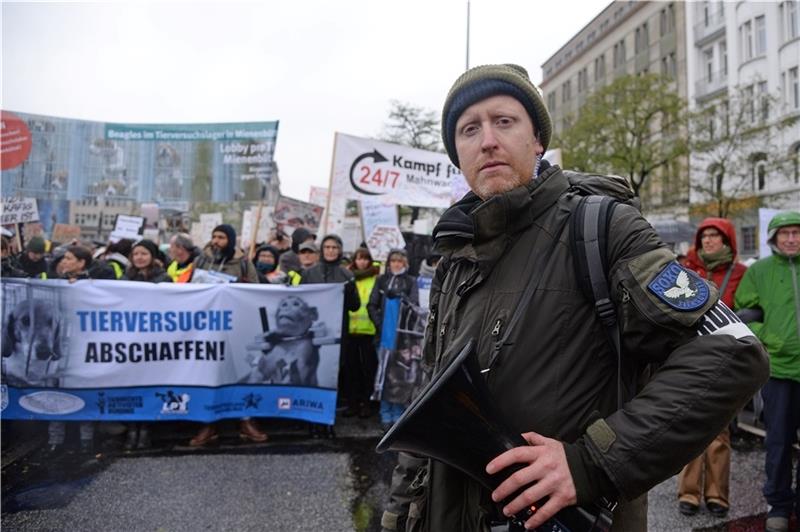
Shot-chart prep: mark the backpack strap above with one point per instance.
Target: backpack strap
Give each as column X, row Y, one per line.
column 589, row 240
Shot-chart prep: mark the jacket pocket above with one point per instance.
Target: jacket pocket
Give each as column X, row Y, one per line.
column 418, row 507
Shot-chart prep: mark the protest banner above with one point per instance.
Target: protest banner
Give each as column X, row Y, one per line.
column 318, row 195
column 383, row 239
column 126, row 226
column 201, row 233
column 18, row 211
column 120, row 350
column 375, row 212
column 145, row 162
column 352, row 235
column 265, row 225
column 64, row 233
column 295, row 213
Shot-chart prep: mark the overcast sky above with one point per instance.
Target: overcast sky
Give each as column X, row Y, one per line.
column 316, row 66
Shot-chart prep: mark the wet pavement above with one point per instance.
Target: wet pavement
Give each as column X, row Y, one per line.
column 291, row 482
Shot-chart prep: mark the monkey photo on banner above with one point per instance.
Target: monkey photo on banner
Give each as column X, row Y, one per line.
column 289, row 354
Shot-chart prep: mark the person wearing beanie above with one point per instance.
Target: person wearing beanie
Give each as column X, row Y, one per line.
column 330, row 270
column 222, row 255
column 772, row 287
column 551, row 370
column 146, row 265
column 32, row 260
column 713, row 257
column 389, row 309
column 266, row 263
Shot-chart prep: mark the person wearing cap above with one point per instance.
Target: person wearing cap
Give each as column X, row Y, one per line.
column 32, row 260
column 713, row 257
column 772, row 285
column 308, row 256
column 385, row 308
column 551, row 370
column 182, row 251
column 222, row 255
column 330, row 270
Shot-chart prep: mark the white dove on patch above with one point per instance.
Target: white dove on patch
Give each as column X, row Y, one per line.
column 681, row 288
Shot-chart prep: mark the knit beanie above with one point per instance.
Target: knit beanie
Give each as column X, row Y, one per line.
column 300, row 235
column 483, row 81
column 230, row 232
column 36, row 245
column 150, row 246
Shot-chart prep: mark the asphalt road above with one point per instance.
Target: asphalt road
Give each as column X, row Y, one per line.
column 290, row 483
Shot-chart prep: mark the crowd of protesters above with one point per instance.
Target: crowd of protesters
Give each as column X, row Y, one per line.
column 282, row 259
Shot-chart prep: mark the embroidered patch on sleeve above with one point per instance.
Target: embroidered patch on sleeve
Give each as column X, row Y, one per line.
column 679, row 288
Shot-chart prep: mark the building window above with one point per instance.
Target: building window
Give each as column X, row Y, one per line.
column 672, row 66
column 551, row 102
column 759, row 171
column 763, row 100
column 566, row 91
column 708, row 61
column 583, row 80
column 666, row 20
column 746, row 38
column 723, row 58
column 641, row 39
column 619, row 54
column 749, row 239
column 761, row 36
column 717, row 177
column 789, row 24
column 725, row 111
column 792, row 90
column 750, row 103
column 600, row 67
column 795, row 155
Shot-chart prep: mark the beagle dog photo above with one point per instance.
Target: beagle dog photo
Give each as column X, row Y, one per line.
column 31, row 344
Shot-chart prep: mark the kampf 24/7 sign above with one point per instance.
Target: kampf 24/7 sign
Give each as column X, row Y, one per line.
column 365, row 168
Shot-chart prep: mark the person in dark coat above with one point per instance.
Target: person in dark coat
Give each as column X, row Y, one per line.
column 330, row 270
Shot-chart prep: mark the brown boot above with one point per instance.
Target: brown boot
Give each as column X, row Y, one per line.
column 249, row 431
column 206, row 435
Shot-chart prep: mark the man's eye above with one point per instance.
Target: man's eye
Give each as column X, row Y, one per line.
column 469, row 129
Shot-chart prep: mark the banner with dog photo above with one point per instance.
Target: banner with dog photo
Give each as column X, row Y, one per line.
column 120, row 350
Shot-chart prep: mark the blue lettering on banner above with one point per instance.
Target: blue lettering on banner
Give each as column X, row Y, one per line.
column 154, row 322
column 679, row 288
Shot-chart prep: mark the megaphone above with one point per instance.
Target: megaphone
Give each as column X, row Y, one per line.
column 454, row 420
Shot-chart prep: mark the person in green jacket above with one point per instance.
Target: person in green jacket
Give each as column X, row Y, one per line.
column 772, row 285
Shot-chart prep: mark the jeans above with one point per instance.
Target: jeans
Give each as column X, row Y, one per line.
column 391, row 412
column 782, row 418
column 57, row 432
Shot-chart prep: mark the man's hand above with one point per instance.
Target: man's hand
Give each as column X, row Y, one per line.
column 546, row 474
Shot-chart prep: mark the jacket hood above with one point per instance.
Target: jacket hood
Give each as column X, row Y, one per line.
column 782, row 219
column 722, row 225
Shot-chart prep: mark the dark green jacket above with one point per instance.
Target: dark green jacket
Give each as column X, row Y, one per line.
column 559, row 376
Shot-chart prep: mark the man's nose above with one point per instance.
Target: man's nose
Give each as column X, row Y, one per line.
column 488, row 140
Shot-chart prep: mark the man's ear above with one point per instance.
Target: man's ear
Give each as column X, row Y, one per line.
column 9, row 335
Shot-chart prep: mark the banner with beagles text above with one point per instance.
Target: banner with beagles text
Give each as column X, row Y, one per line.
column 121, row 350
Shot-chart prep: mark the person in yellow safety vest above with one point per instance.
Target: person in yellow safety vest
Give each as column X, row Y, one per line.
column 116, row 256
column 360, row 359
column 183, row 252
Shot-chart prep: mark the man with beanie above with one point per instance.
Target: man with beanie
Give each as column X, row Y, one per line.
column 713, row 257
column 222, row 255
column 330, row 270
column 547, row 362
column 32, row 260
column 772, row 285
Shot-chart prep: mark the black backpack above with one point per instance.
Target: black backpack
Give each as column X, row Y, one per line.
column 598, row 196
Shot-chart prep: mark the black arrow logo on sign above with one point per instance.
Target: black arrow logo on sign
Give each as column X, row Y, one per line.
column 378, row 158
